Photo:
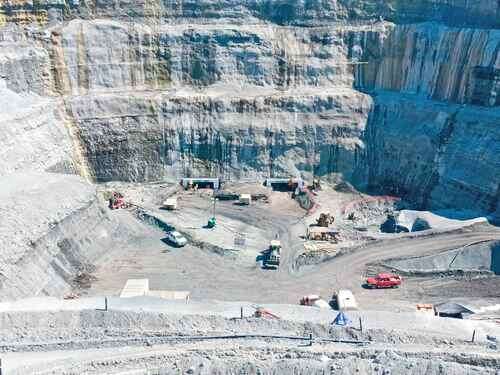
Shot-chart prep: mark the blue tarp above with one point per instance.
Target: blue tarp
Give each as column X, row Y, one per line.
column 342, row 319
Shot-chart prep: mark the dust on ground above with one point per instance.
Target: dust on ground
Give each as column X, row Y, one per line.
column 238, row 274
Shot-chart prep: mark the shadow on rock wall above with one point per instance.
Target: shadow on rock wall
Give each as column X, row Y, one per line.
column 435, row 155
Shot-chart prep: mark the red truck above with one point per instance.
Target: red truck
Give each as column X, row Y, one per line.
column 384, row 281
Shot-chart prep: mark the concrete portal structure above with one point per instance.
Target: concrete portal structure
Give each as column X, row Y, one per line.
column 284, row 184
column 214, row 183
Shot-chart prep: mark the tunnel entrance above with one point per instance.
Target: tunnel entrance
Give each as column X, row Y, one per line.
column 282, row 184
column 202, row 183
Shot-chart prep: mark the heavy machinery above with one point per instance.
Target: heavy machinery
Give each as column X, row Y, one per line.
column 245, row 199
column 384, row 281
column 116, row 201
column 325, row 220
column 212, row 222
column 343, row 300
column 273, row 255
column 170, row 204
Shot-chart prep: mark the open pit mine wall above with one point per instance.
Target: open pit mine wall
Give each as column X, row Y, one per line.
column 52, row 227
column 481, row 13
column 432, row 135
column 50, row 263
column 267, row 88
column 441, row 155
column 234, row 137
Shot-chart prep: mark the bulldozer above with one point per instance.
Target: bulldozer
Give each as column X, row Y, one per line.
column 325, row 220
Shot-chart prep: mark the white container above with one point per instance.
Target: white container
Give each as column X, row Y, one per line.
column 245, row 199
column 170, row 204
column 346, row 300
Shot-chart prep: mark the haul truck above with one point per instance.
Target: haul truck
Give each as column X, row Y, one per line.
column 273, row 255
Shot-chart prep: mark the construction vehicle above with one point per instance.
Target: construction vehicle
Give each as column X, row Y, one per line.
column 325, row 220
column 211, row 222
column 224, row 195
column 273, row 255
column 117, row 201
column 384, row 281
column 283, row 184
column 245, row 199
column 170, row 204
column 343, row 300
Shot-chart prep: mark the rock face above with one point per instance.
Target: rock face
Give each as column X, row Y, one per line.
column 438, row 62
column 235, row 136
column 484, row 13
column 33, row 133
column 396, row 97
column 47, row 232
column 441, row 154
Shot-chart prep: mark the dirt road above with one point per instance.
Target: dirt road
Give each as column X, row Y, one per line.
column 239, row 277
column 211, row 276
column 235, row 278
column 348, row 271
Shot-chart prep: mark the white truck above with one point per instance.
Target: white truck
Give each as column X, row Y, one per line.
column 170, row 204
column 344, row 300
column 245, row 199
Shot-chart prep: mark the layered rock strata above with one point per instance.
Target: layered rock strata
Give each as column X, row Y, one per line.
column 52, row 227
column 394, row 97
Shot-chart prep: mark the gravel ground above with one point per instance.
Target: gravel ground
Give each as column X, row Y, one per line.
column 259, row 358
column 129, row 337
column 235, row 278
column 40, row 318
column 75, row 341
